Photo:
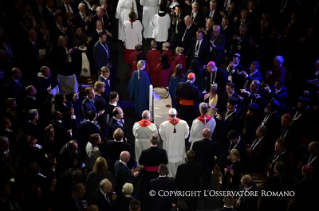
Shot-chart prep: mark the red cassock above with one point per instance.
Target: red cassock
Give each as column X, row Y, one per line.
column 162, row 76
column 127, row 54
column 180, row 59
column 153, row 57
column 133, row 56
column 134, row 67
column 170, row 55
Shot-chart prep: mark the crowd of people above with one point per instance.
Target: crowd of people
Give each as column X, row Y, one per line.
column 242, row 76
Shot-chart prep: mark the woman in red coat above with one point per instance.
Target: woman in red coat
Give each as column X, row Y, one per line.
column 167, row 51
column 278, row 71
column 180, row 58
column 153, row 57
column 163, row 72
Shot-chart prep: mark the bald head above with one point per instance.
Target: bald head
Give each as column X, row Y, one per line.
column 16, row 73
column 206, row 133
column 73, row 146
column 125, row 156
column 313, row 147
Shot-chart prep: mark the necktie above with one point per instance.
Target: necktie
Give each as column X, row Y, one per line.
column 8, row 48
column 120, row 123
column 184, row 34
column 68, row 8
column 18, row 81
column 197, row 46
column 51, row 11
column 35, row 45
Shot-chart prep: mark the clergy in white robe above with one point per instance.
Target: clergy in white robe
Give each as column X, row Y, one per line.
column 132, row 33
column 143, row 131
column 150, row 8
column 173, row 132
column 160, row 24
column 200, row 123
column 122, row 11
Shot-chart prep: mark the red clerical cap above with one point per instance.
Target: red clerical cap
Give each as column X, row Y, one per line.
column 191, row 75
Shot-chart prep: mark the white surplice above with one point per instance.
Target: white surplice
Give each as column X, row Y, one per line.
column 160, row 26
column 197, row 128
column 174, row 143
column 132, row 35
column 150, row 8
column 122, row 11
column 142, row 138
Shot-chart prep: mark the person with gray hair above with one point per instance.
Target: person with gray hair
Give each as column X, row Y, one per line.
column 277, row 71
column 217, row 45
column 103, row 195
column 122, row 203
column 187, row 34
column 141, row 130
column 5, row 155
column 200, row 123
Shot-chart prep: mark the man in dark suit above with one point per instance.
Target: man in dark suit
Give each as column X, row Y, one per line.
column 115, row 147
column 116, row 122
column 272, row 120
column 5, row 155
column 188, row 33
column 206, row 150
column 199, row 49
column 177, row 27
column 150, row 159
column 16, row 86
column 48, row 13
column 122, row 173
column 100, row 16
column 102, row 196
column 230, row 92
column 254, row 74
column 104, row 77
column 158, row 202
column 38, row 7
column 213, row 13
column 83, row 20
column 189, row 171
column 227, row 31
column 67, row 7
column 69, row 157
column 281, row 155
column 32, row 58
column 58, row 29
column 278, row 92
column 88, row 103
column 85, row 129
column 215, row 76
column 252, row 95
column 9, row 48
column 196, row 15
column 217, row 43
column 101, row 53
column 247, row 203
column 241, row 44
column 73, row 202
column 228, row 203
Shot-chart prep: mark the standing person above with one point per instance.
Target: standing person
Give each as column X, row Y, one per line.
column 180, row 58
column 187, row 96
column 104, row 77
column 166, row 50
column 188, row 33
column 132, row 35
column 217, row 43
column 175, row 79
column 199, row 74
column 173, row 132
column 101, row 52
column 154, row 58
column 278, row 71
column 215, row 76
column 232, row 171
column 163, row 72
column 124, row 7
column 139, row 88
column 64, row 57
column 150, row 9
column 199, row 49
column 160, row 24
column 142, row 130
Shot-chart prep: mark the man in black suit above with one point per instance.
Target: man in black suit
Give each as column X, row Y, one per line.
column 101, row 51
column 230, row 92
column 89, row 102
column 85, row 129
column 104, row 77
column 241, row 44
column 122, row 173
column 5, row 155
column 235, row 142
column 213, row 13
column 206, row 150
column 313, row 158
column 199, row 49
column 69, row 157
column 115, row 147
column 73, row 202
column 188, row 33
column 32, row 58
column 162, row 183
column 67, row 7
column 278, row 92
column 272, row 120
column 116, row 122
column 215, row 76
column 196, row 15
column 38, row 7
column 281, row 155
column 83, row 20
column 100, row 16
column 58, row 29
column 254, row 74
column 9, row 48
column 227, row 31
column 16, row 86
column 177, row 27
column 102, row 196
column 186, row 172
column 247, row 203
column 150, row 159
column 217, row 43
column 228, row 204
column 48, row 13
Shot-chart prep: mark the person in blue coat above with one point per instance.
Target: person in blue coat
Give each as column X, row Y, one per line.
column 139, row 88
column 177, row 77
